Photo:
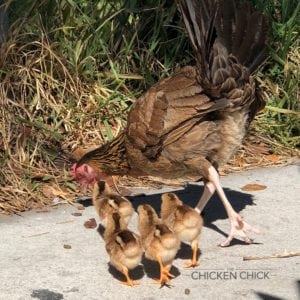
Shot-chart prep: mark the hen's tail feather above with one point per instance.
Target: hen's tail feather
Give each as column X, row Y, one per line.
column 220, row 30
column 199, row 19
column 225, row 23
column 251, row 52
column 241, row 23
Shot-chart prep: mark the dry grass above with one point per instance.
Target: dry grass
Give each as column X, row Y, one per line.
column 64, row 86
column 45, row 114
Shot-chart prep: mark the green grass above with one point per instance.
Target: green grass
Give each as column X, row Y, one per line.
column 281, row 74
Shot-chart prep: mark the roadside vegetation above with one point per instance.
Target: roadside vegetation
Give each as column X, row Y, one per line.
column 69, row 71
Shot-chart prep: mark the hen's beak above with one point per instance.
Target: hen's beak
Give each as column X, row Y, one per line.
column 72, row 171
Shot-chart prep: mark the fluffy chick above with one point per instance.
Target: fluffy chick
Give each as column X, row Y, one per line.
column 159, row 242
column 123, row 246
column 184, row 221
column 106, row 202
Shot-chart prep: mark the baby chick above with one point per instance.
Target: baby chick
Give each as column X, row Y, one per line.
column 122, row 245
column 184, row 221
column 106, row 202
column 159, row 242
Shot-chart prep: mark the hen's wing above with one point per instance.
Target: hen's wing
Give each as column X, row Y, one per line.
column 167, row 111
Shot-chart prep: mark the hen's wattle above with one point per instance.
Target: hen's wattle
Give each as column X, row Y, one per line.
column 84, row 174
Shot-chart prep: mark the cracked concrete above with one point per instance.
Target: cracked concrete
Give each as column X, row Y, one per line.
column 52, row 256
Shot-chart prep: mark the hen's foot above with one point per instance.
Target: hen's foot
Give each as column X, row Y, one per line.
column 239, row 228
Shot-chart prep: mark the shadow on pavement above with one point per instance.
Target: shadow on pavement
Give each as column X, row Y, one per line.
column 151, row 269
column 191, row 195
column 135, row 274
column 265, row 296
column 213, row 211
column 185, row 252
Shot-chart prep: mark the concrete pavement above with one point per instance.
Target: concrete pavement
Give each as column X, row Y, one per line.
column 51, row 255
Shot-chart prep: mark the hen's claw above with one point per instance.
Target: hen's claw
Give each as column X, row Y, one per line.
column 239, row 228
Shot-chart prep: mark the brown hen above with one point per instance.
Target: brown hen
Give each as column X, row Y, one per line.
column 194, row 121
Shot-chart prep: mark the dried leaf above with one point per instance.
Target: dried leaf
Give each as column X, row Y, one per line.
column 91, row 223
column 258, row 149
column 253, row 187
column 50, row 191
column 273, row 157
column 37, row 176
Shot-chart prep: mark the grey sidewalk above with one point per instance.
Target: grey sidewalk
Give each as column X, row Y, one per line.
column 35, row 265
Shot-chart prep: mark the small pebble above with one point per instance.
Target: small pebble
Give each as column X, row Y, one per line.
column 77, row 214
column 91, row 223
column 187, row 291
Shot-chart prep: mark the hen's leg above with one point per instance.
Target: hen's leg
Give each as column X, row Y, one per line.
column 238, row 226
column 209, row 190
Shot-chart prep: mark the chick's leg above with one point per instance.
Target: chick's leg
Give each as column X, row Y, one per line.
column 128, row 281
column 164, row 279
column 238, row 226
column 194, row 262
column 167, row 269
